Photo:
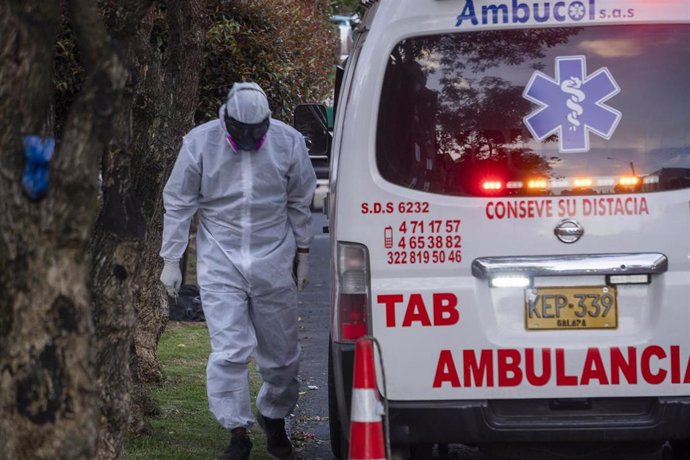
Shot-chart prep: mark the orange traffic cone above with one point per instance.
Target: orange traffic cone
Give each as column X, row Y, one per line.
column 366, row 427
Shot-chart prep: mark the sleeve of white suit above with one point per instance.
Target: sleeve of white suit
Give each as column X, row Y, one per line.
column 180, row 198
column 301, row 187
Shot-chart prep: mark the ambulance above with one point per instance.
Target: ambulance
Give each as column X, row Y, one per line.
column 509, row 214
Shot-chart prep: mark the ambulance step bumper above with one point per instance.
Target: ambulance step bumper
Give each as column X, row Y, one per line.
column 552, row 420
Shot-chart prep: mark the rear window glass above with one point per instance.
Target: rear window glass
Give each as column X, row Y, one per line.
column 595, row 110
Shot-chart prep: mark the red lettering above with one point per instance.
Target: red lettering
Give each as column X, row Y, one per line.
column 593, row 368
column 500, row 208
column 561, row 208
column 545, row 208
column 532, row 377
column 643, row 209
column 620, row 364
column 520, row 209
column 619, row 208
column 390, row 300
column 569, row 208
column 563, row 380
column 610, row 202
column 416, row 311
column 445, row 305
column 586, row 207
column 480, row 371
column 675, row 364
column 629, row 206
column 656, row 364
column 446, row 371
column 489, row 210
column 445, row 309
column 645, row 365
column 509, row 372
column 513, row 209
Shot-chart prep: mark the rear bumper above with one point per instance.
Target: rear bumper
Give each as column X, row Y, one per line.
column 543, row 420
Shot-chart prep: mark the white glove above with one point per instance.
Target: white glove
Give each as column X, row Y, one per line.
column 302, row 270
column 171, row 276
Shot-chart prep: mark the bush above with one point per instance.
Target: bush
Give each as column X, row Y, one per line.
column 288, row 47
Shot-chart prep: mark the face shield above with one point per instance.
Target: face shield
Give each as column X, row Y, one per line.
column 246, row 116
column 246, row 136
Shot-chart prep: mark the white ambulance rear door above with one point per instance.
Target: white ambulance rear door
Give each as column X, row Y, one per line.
column 523, row 189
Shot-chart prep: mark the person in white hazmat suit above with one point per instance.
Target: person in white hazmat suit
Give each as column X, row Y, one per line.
column 251, row 181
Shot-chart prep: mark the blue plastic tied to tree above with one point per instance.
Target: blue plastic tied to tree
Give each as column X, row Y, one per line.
column 38, row 153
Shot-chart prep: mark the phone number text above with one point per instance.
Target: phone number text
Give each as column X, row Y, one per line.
column 430, row 242
column 430, row 226
column 438, row 256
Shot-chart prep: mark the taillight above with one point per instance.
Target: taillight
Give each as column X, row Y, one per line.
column 353, row 291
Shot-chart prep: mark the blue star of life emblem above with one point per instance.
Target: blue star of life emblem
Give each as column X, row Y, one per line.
column 572, row 104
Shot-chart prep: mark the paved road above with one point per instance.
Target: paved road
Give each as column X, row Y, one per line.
column 310, row 423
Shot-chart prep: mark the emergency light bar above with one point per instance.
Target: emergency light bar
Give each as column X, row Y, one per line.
column 491, row 186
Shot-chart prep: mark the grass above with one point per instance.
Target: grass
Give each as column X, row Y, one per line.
column 184, row 428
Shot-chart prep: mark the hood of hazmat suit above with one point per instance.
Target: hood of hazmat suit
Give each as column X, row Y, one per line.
column 246, row 116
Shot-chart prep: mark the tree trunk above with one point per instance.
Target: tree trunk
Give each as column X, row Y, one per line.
column 48, row 399
column 165, row 57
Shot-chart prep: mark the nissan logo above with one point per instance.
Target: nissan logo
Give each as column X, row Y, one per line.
column 569, row 231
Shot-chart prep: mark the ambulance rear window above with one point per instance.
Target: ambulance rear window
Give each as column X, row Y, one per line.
column 590, row 110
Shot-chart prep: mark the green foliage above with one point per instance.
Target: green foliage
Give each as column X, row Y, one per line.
column 183, row 427
column 344, row 6
column 288, row 47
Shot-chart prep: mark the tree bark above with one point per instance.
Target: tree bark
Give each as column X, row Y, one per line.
column 48, row 399
column 175, row 102
column 113, row 245
column 165, row 56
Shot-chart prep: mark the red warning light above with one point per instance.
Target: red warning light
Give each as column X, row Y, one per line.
column 492, row 185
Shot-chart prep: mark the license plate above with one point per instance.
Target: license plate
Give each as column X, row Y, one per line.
column 587, row 307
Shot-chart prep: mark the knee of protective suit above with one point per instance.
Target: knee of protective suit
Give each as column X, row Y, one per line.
column 232, row 355
column 280, row 375
column 226, row 376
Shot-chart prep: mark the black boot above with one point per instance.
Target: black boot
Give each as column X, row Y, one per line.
column 239, row 446
column 277, row 441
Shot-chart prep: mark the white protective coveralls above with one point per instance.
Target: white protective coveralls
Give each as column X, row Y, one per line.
column 253, row 213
